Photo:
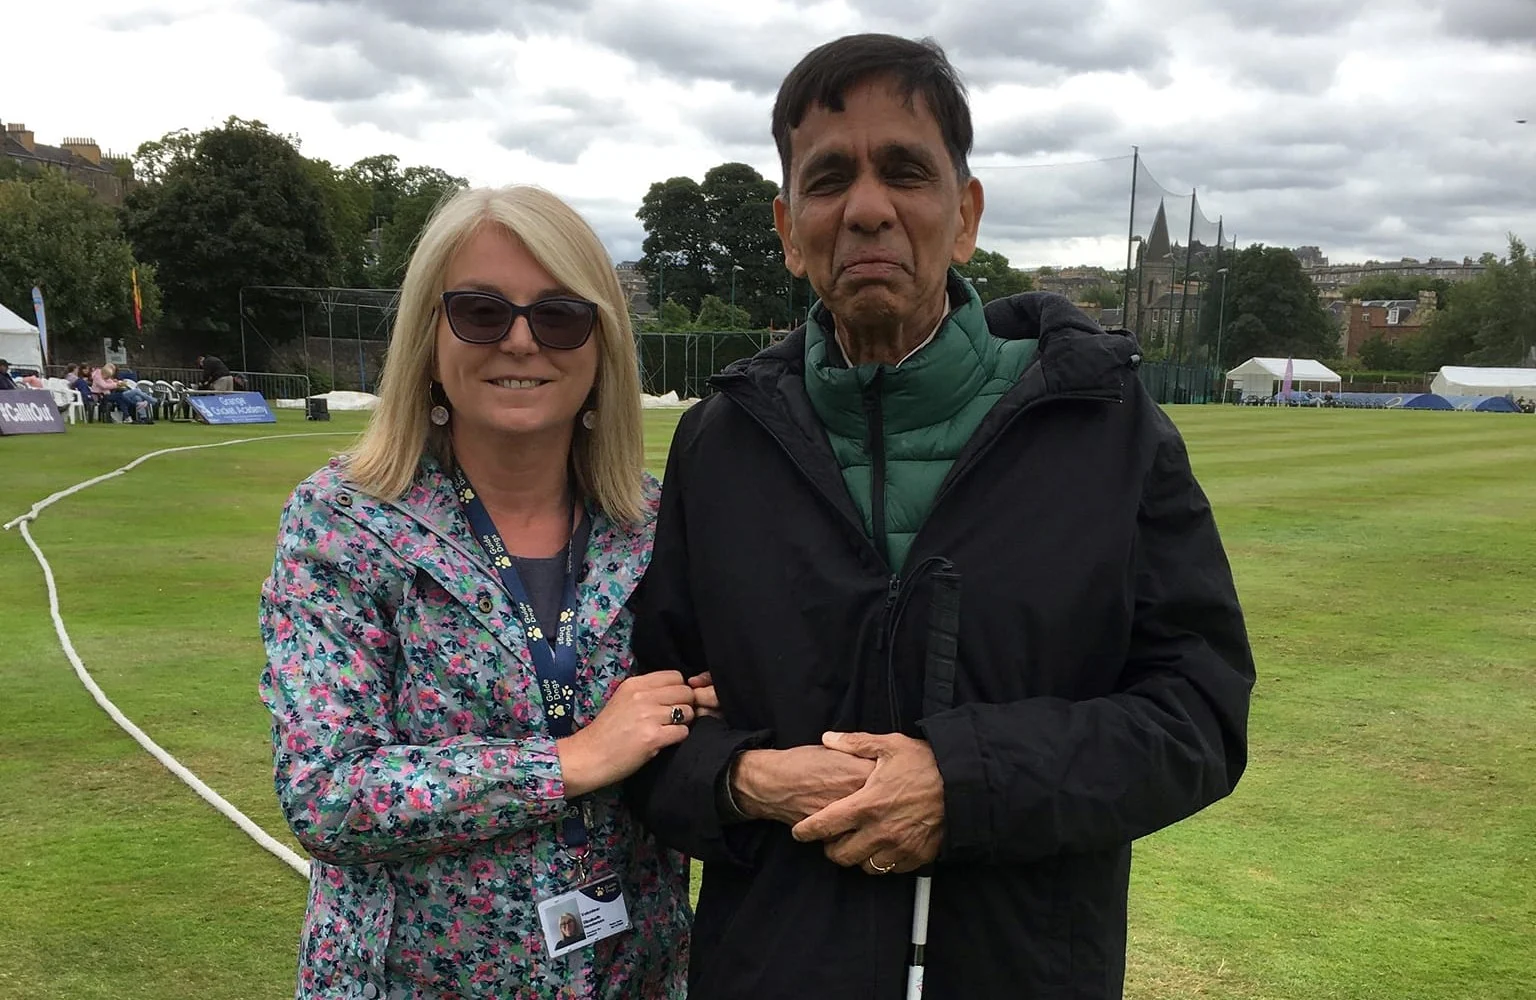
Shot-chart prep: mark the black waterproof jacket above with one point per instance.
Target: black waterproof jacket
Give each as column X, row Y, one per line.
column 1100, row 689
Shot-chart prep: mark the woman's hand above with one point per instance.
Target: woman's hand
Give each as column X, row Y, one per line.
column 704, row 700
column 635, row 725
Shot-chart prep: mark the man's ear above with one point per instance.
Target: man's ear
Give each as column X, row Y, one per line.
column 786, row 229
column 972, row 201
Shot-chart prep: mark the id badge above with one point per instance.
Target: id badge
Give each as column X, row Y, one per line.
column 574, row 920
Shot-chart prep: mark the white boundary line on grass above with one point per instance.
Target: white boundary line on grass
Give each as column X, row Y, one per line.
column 286, row 854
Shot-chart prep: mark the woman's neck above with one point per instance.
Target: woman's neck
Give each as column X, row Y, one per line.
column 524, row 483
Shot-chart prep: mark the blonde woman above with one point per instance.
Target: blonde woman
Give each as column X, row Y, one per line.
column 448, row 642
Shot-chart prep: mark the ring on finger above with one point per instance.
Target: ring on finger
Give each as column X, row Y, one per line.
column 678, row 715
column 879, row 869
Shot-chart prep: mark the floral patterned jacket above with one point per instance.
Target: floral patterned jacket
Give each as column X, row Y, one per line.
column 412, row 761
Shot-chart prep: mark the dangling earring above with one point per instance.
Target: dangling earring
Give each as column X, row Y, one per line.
column 589, row 419
column 439, row 413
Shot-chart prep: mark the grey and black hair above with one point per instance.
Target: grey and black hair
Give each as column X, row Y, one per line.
column 915, row 68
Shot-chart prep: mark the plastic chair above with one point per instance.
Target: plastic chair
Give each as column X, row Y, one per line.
column 66, row 399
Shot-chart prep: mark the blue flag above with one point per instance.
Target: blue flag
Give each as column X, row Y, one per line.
column 42, row 320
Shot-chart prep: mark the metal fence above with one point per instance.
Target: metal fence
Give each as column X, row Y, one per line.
column 272, row 385
column 1167, row 382
column 683, row 362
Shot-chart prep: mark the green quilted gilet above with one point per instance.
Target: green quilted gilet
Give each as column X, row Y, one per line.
column 929, row 407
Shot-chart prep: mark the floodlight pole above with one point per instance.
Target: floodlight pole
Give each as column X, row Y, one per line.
column 1125, row 301
column 245, row 365
column 1221, row 321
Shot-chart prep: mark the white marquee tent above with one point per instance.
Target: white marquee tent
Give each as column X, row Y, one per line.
column 1263, row 376
column 1454, row 381
column 18, row 341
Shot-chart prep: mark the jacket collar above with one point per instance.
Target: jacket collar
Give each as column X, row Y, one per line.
column 428, row 530
column 927, row 388
column 1075, row 354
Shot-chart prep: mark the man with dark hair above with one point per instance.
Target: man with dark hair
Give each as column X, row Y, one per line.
column 216, row 374
column 964, row 605
column 6, row 381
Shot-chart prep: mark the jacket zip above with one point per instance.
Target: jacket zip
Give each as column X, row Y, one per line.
column 874, row 421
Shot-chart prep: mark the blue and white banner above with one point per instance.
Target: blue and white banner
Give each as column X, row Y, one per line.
column 232, row 408
column 42, row 320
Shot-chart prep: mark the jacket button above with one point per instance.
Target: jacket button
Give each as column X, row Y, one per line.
column 370, row 991
column 485, row 605
column 345, row 500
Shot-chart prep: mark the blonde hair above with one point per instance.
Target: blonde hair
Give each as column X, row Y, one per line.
column 608, row 461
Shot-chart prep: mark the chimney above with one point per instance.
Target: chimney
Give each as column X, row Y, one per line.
column 1429, row 299
column 86, row 149
column 19, row 132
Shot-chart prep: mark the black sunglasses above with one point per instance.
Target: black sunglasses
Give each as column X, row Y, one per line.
column 560, row 323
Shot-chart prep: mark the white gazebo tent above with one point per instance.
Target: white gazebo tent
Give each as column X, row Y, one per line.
column 1454, row 381
column 1263, row 376
column 18, row 341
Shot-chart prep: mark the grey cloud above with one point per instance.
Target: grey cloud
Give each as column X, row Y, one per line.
column 1060, row 130
column 1304, row 66
column 456, row 15
column 333, row 55
column 1501, row 22
column 1296, row 159
column 1296, row 18
column 739, row 120
column 563, row 137
column 702, row 45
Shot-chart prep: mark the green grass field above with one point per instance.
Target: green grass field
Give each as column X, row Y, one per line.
column 1380, row 846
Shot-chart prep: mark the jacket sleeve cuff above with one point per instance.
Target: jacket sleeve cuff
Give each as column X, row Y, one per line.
column 683, row 807
column 967, row 798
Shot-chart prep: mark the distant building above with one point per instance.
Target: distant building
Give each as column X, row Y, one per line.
column 1389, row 320
column 1310, row 257
column 637, row 288
column 1332, row 277
column 1073, row 281
column 1165, row 308
column 109, row 177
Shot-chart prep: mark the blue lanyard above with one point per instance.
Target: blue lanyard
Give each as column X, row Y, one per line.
column 554, row 657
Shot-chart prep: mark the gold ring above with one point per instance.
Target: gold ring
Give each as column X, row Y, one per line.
column 879, row 870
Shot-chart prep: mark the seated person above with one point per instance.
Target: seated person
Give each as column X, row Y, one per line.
column 106, row 385
column 79, row 378
column 6, row 382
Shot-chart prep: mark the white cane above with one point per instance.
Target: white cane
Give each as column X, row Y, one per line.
column 938, row 696
column 920, row 904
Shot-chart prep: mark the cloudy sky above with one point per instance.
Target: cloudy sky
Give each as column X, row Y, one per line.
column 1371, row 128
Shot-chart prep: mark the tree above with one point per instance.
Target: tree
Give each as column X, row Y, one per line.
column 54, row 234
column 237, row 206
column 678, row 246
column 1103, row 296
column 739, row 202
column 1274, row 301
column 1490, row 320
column 992, row 276
column 1381, row 355
column 716, row 314
column 672, row 317
column 421, row 190
column 1396, row 286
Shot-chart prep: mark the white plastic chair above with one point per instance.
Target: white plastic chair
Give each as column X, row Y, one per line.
column 66, row 399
